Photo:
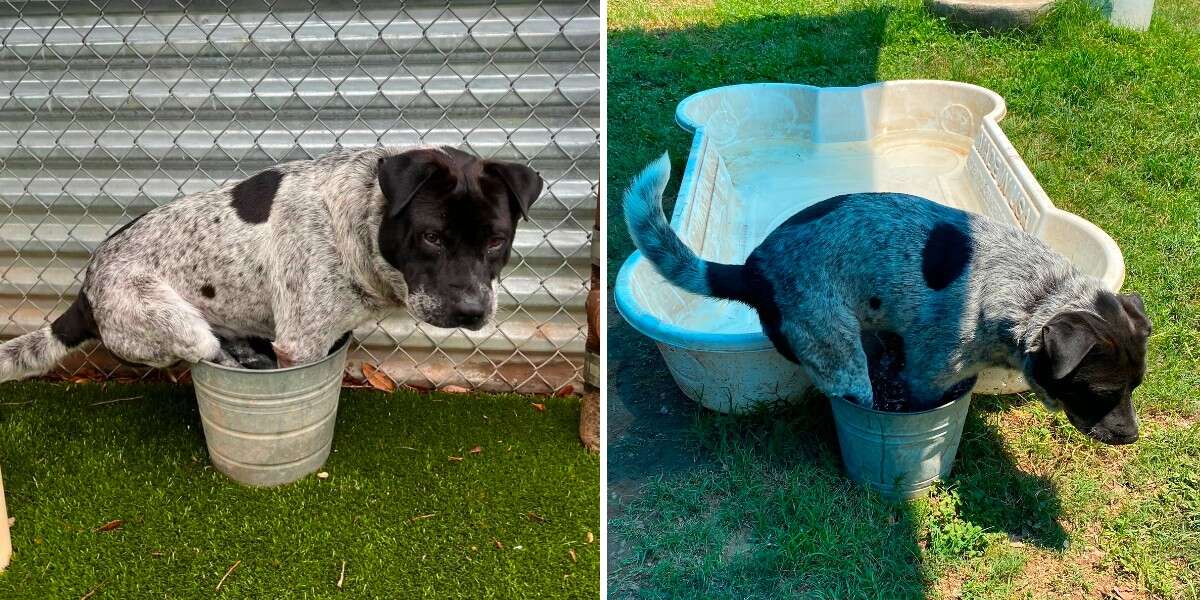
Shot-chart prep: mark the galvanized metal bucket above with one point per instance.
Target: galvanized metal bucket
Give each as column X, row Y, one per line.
column 269, row 427
column 899, row 454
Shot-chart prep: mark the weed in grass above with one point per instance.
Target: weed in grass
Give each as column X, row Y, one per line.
column 946, row 533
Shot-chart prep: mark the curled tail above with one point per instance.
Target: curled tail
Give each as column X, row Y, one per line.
column 37, row 352
column 662, row 246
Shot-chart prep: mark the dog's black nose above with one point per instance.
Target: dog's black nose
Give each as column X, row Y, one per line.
column 1117, row 436
column 471, row 314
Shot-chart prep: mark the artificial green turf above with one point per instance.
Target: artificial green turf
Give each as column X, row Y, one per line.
column 1109, row 122
column 71, row 465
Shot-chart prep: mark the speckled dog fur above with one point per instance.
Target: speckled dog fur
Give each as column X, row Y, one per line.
column 293, row 255
column 954, row 292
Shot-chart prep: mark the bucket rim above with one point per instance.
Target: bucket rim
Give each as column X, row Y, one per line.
column 946, row 406
column 339, row 352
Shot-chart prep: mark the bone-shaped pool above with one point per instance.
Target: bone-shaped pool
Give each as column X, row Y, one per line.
column 762, row 152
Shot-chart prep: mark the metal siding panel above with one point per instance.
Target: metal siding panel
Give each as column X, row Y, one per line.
column 103, row 117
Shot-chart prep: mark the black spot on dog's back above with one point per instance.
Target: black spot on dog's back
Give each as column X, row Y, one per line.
column 875, row 303
column 946, row 255
column 252, row 198
column 208, row 291
column 77, row 325
column 816, row 211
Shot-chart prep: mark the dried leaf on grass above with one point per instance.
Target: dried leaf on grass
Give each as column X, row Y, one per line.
column 111, row 525
column 456, row 459
column 538, row 406
column 571, row 553
column 589, row 537
column 536, row 517
column 377, row 378
column 565, row 390
column 498, row 544
column 455, row 389
column 477, row 450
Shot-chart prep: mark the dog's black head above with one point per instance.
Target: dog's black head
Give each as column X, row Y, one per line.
column 1090, row 362
column 448, row 224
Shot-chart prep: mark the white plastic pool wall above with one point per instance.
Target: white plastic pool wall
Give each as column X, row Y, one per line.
column 736, row 381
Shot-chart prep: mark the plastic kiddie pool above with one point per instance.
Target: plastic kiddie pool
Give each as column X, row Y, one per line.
column 762, row 152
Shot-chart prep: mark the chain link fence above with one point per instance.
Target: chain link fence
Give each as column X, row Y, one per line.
column 108, row 109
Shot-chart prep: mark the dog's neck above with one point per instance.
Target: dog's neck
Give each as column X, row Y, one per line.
column 356, row 218
column 1031, row 298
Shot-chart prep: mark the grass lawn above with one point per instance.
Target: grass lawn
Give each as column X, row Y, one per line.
column 404, row 519
column 711, row 506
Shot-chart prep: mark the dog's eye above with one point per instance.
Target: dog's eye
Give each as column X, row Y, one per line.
column 495, row 243
column 432, row 238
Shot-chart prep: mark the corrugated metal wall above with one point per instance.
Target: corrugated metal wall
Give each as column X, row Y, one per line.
column 106, row 113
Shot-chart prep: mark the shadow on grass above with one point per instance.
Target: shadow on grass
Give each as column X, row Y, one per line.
column 996, row 494
column 768, row 511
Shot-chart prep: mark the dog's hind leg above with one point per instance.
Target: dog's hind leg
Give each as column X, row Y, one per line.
column 142, row 320
column 831, row 353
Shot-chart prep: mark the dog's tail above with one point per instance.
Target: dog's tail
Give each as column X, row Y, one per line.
column 39, row 351
column 665, row 250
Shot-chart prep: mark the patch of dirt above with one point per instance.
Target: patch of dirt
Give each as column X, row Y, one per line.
column 738, row 543
column 672, row 14
column 1073, row 455
column 1084, row 575
column 1169, row 420
column 949, row 584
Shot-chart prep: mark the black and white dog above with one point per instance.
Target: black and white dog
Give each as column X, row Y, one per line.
column 298, row 254
column 952, row 292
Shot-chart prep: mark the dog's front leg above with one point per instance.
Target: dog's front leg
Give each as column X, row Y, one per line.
column 307, row 323
column 305, row 328
column 308, row 302
column 831, row 353
column 299, row 349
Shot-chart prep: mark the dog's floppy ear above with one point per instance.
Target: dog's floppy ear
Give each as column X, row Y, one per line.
column 1066, row 340
column 401, row 176
column 1136, row 311
column 523, row 183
